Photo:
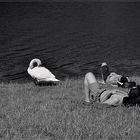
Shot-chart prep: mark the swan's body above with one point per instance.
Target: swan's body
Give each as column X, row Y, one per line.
column 40, row 73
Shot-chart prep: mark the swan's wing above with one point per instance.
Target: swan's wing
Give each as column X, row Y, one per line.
column 41, row 73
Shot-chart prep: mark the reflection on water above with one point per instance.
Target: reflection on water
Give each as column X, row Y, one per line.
column 70, row 38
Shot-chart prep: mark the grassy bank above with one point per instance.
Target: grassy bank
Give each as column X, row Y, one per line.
column 28, row 112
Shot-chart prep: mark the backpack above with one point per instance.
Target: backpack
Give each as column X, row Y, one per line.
column 133, row 97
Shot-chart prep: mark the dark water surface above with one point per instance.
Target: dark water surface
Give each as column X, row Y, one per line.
column 70, row 38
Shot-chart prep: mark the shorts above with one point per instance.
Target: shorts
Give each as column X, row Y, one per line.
column 95, row 91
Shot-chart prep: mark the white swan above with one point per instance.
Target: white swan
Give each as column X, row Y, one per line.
column 40, row 73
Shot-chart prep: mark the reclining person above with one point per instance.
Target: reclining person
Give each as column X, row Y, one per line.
column 105, row 96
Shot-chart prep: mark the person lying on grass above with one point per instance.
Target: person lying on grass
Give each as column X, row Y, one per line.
column 105, row 96
column 115, row 79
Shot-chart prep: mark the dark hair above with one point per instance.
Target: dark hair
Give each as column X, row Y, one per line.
column 122, row 81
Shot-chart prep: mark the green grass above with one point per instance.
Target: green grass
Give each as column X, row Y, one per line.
column 29, row 112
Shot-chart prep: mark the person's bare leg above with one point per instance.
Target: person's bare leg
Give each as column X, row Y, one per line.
column 87, row 92
column 89, row 79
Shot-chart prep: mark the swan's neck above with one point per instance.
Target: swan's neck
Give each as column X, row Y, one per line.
column 33, row 65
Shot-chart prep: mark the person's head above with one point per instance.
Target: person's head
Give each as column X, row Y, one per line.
column 122, row 81
column 126, row 83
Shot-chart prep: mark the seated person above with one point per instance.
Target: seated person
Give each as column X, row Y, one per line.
column 113, row 78
column 93, row 92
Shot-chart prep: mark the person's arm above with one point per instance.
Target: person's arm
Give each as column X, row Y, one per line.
column 114, row 97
